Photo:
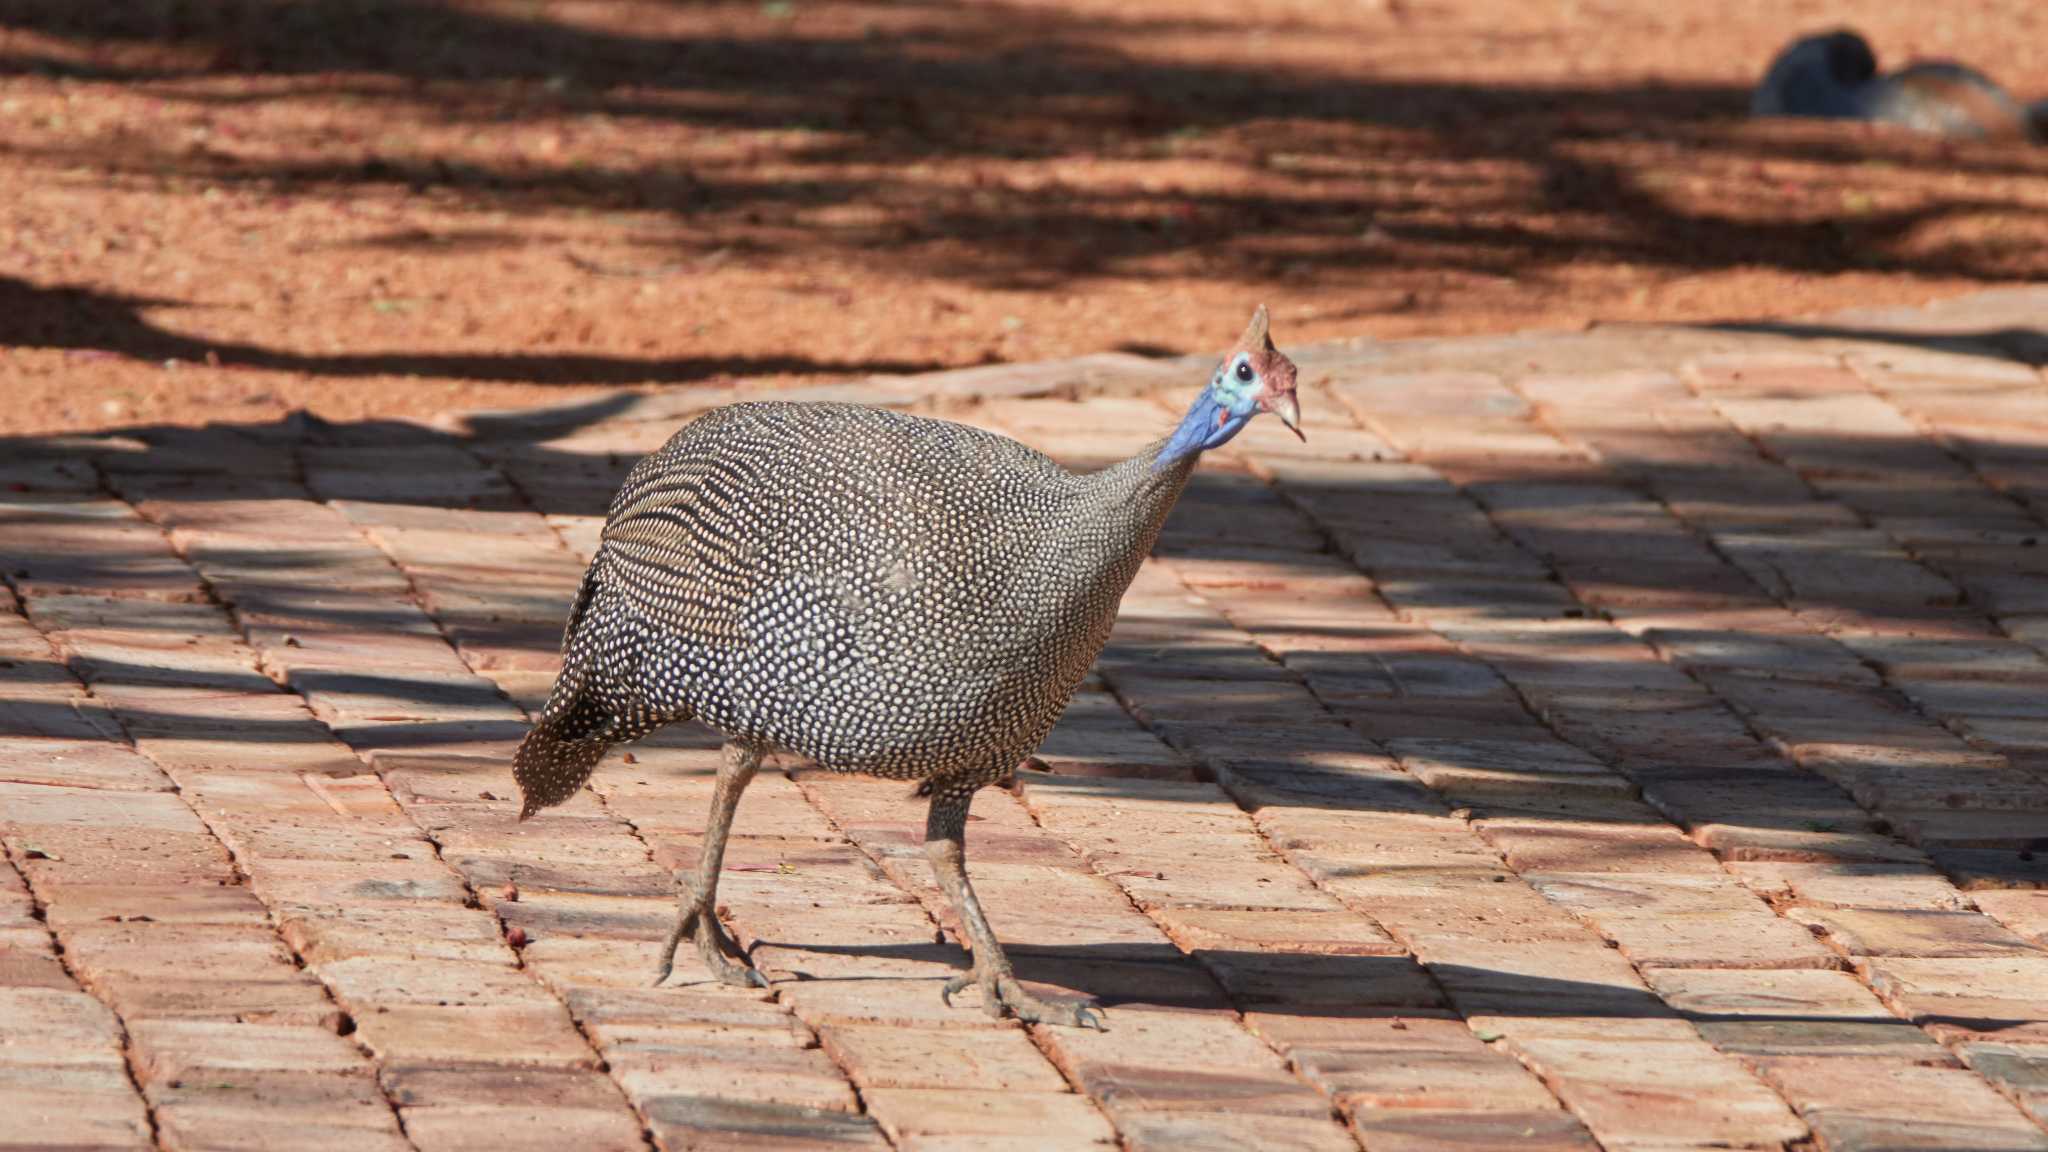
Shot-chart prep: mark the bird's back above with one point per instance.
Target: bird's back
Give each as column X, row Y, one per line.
column 1835, row 76
column 1948, row 100
column 882, row 592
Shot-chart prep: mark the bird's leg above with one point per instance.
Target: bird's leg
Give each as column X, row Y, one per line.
column 697, row 910
column 945, row 842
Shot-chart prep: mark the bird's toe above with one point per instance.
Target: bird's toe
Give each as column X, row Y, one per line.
column 740, row 976
column 1037, row 1010
column 955, row 986
column 724, row 958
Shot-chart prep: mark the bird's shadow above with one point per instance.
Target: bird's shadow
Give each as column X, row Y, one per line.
column 1161, row 976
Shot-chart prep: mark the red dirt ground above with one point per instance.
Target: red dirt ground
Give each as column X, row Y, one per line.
column 225, row 209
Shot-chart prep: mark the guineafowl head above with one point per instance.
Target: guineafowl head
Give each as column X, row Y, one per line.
column 1252, row 378
column 1817, row 76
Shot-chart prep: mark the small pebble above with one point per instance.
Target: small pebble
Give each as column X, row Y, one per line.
column 516, row 937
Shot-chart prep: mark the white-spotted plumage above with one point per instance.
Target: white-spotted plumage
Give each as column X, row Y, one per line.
column 881, row 592
column 884, row 593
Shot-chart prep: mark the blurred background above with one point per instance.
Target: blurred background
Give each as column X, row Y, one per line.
column 226, row 209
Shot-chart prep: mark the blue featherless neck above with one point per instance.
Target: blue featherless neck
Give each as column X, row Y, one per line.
column 1219, row 413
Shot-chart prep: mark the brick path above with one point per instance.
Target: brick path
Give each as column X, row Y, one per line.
column 1635, row 739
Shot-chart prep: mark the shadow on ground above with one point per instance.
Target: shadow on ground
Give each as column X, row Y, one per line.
column 551, row 474
column 80, row 320
column 1336, row 175
column 2028, row 346
column 1380, row 987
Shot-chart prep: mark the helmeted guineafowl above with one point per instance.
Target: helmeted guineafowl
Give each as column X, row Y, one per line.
column 880, row 592
column 1834, row 76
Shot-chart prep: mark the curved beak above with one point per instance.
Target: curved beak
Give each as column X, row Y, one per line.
column 1288, row 409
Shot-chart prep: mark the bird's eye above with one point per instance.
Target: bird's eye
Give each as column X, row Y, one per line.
column 1244, row 371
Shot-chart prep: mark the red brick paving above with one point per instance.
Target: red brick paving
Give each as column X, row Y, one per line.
column 1631, row 739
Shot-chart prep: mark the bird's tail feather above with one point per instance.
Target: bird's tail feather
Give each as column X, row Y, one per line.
column 562, row 750
column 574, row 729
column 581, row 719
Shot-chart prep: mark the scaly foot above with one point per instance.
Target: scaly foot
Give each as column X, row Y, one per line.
column 1003, row 992
column 719, row 953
